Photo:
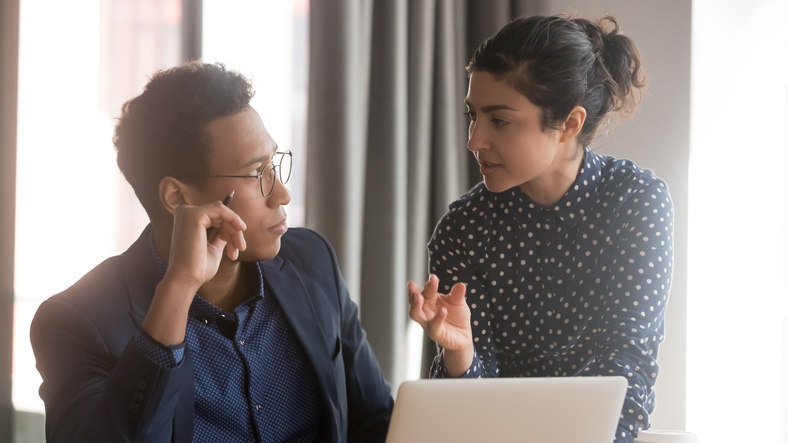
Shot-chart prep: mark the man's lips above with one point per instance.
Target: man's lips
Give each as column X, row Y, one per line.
column 281, row 226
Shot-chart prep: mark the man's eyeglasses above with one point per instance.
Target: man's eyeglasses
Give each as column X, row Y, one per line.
column 267, row 174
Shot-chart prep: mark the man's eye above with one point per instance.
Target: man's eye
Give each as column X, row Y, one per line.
column 499, row 122
column 471, row 115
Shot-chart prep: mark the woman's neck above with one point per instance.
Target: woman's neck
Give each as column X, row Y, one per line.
column 549, row 187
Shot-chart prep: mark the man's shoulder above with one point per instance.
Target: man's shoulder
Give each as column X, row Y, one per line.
column 98, row 301
column 103, row 279
column 305, row 245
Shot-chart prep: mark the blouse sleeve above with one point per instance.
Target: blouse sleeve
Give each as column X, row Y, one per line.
column 450, row 262
column 631, row 326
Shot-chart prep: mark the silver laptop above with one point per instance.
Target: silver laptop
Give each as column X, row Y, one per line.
column 538, row 410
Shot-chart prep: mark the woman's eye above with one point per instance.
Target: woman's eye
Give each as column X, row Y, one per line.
column 499, row 122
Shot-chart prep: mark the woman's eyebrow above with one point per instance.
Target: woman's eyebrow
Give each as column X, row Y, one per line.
column 491, row 108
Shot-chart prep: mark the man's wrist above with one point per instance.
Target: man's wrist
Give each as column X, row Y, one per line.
column 175, row 282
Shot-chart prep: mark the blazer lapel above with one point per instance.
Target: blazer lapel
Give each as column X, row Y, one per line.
column 288, row 288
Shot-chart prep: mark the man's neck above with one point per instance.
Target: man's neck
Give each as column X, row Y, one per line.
column 229, row 287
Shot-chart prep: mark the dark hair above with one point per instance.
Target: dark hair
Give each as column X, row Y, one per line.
column 558, row 63
column 160, row 133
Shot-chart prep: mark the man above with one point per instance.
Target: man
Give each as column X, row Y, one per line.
column 218, row 323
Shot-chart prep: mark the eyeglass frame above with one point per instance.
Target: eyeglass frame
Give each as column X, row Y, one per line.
column 277, row 169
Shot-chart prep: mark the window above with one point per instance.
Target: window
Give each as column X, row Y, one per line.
column 738, row 264
column 79, row 61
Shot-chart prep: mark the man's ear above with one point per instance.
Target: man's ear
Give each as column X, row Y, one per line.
column 172, row 193
column 573, row 124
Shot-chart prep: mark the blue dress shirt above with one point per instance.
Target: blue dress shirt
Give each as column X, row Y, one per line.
column 253, row 380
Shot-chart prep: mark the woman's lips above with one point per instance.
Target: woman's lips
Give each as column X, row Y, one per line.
column 488, row 169
column 279, row 228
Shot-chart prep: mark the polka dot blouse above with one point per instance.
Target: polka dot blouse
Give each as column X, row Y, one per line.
column 577, row 288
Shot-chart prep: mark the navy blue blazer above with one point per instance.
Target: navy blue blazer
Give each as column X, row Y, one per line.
column 100, row 387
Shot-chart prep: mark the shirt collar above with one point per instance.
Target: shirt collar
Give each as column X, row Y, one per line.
column 573, row 205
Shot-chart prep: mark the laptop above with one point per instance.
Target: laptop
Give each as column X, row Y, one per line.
column 538, row 410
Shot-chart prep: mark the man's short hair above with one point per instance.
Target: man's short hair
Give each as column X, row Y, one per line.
column 161, row 132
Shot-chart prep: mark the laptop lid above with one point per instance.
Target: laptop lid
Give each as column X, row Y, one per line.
column 539, row 410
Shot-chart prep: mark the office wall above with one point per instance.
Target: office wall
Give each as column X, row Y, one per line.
column 657, row 137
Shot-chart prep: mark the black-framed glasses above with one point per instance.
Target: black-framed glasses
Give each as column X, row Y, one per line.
column 267, row 174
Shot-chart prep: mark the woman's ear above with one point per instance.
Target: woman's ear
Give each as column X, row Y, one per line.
column 573, row 124
column 172, row 193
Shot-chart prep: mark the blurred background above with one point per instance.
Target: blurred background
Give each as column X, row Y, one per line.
column 368, row 96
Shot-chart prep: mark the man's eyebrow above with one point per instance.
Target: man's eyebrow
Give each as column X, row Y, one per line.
column 254, row 161
column 260, row 159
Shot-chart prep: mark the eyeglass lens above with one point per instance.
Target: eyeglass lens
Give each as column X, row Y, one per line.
column 283, row 168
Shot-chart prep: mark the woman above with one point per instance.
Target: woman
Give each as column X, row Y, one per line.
column 560, row 262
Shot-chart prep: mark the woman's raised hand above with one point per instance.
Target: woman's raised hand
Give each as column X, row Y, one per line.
column 446, row 318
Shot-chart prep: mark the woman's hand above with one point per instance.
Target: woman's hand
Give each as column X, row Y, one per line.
column 445, row 318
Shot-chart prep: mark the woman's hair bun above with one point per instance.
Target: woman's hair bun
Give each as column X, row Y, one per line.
column 619, row 61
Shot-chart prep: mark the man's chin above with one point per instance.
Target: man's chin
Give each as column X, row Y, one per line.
column 267, row 252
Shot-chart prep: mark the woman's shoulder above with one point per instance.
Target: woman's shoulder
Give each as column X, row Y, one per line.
column 624, row 175
column 631, row 189
column 475, row 197
column 463, row 210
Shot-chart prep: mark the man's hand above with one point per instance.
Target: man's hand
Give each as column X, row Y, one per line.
column 446, row 319
column 193, row 261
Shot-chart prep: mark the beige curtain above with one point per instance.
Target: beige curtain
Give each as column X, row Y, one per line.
column 386, row 142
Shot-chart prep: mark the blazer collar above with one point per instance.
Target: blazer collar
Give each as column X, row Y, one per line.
column 286, row 285
column 141, row 277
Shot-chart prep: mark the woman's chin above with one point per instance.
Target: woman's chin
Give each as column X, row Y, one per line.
column 495, row 185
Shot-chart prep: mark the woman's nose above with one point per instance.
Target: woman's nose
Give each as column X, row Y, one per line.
column 476, row 139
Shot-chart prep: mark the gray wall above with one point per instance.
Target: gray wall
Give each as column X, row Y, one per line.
column 657, row 137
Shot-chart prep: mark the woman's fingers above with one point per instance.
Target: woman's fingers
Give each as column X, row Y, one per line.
column 435, row 325
column 431, row 287
column 416, row 305
column 457, row 295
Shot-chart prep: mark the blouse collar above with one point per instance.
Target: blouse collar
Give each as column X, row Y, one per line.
column 573, row 205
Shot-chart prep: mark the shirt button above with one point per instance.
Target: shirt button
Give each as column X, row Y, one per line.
column 257, row 407
column 205, row 320
column 241, row 342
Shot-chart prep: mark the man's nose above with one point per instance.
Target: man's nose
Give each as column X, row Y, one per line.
column 280, row 196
